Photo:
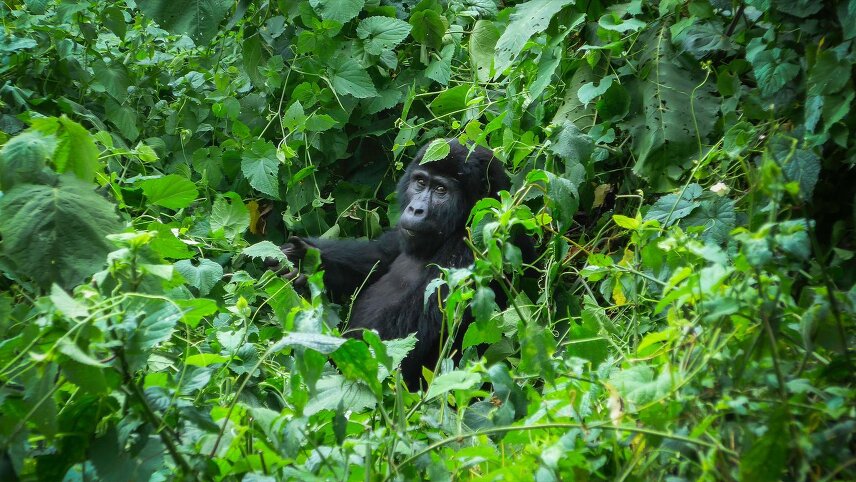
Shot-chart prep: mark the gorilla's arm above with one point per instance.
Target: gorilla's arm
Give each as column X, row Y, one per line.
column 348, row 262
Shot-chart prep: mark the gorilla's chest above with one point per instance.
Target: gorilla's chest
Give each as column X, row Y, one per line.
column 393, row 305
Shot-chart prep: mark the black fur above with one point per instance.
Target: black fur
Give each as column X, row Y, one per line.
column 397, row 267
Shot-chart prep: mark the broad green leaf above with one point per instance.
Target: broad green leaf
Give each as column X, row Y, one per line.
column 202, row 276
column 348, row 77
column 798, row 164
column 625, row 222
column 253, row 55
column 230, row 214
column 429, row 27
column 482, row 44
column 66, row 304
column 773, row 68
column 198, row 19
column 528, row 19
column 611, row 22
column 56, row 234
column 193, row 310
column 356, row 362
column 261, row 168
column 339, row 10
column 149, row 323
column 113, row 463
column 264, row 249
column 124, row 118
column 440, row 69
column 382, row 33
column 324, row 344
column 398, row 348
column 454, row 380
column 334, row 390
column 72, row 350
column 590, row 91
column 23, row 158
column 717, row 216
column 483, row 303
column 640, row 384
column 172, row 191
column 766, row 458
column 671, row 208
column 451, row 100
column 675, row 111
column 205, row 359
column 76, row 151
column 437, row 149
column 113, row 79
column 563, row 199
column 294, row 117
column 319, row 123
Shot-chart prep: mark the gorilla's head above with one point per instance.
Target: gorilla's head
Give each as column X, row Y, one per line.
column 436, row 197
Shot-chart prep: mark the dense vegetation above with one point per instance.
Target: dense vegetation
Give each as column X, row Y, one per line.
column 686, row 167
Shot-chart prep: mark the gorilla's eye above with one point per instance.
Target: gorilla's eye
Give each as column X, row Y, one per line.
column 420, row 181
column 441, row 189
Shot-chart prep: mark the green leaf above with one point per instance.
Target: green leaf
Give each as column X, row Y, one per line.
column 382, row 33
column 66, row 304
column 440, row 69
column 673, row 111
column 483, row 303
column 113, row 79
column 437, row 149
column 198, row 19
column 23, row 158
column 429, row 27
column 356, row 362
column 155, row 322
column 324, row 344
column 124, row 118
column 482, row 44
column 798, row 164
column 195, row 309
column 639, row 385
column 348, row 77
column 718, row 218
column 766, row 458
column 261, row 168
column 205, row 359
column 454, row 380
column 773, row 68
column 264, row 249
column 76, row 151
column 590, row 91
column 338, row 10
column 671, row 208
column 319, row 123
column 202, row 276
column 625, row 222
column 230, row 214
column 451, row 100
column 527, row 19
column 113, row 463
column 56, row 234
column 563, row 199
column 333, row 390
column 172, row 191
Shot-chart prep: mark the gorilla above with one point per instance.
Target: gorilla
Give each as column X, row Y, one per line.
column 435, row 200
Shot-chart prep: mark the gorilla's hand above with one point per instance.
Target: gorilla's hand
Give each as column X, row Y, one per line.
column 294, row 250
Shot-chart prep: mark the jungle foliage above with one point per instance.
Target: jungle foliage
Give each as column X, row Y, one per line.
column 686, row 167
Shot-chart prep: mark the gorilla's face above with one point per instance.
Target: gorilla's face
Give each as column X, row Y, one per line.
column 434, row 205
column 436, row 197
